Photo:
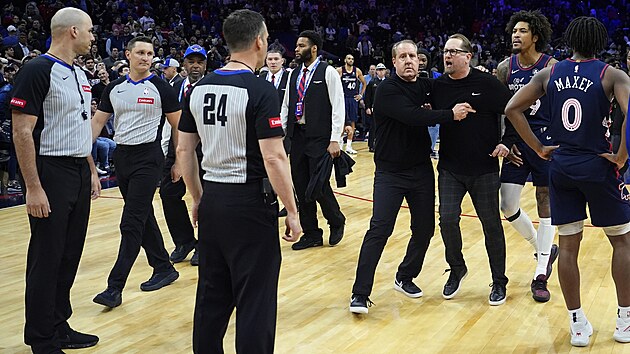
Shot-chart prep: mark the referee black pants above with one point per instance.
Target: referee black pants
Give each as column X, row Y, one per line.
column 55, row 249
column 239, row 265
column 303, row 166
column 138, row 169
column 417, row 186
column 484, row 193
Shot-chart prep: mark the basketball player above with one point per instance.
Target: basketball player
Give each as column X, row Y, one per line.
column 349, row 76
column 530, row 35
column 579, row 91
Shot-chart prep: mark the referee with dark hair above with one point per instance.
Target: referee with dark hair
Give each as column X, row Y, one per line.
column 236, row 117
column 140, row 101
column 51, row 130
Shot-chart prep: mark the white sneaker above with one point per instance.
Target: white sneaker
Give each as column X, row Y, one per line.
column 351, row 151
column 581, row 333
column 100, row 172
column 622, row 332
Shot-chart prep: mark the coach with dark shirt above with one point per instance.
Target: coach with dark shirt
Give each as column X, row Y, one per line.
column 403, row 170
column 467, row 164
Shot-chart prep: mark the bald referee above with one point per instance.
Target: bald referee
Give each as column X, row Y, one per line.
column 141, row 102
column 53, row 141
column 236, row 117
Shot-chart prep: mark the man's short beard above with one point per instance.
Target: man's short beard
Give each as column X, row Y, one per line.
column 304, row 57
column 517, row 50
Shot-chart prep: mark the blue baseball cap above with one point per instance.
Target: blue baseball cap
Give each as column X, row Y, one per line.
column 196, row 49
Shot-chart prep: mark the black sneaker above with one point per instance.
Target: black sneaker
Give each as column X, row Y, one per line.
column 336, row 234
column 71, row 339
column 181, row 252
column 540, row 292
column 282, row 213
column 159, row 280
column 194, row 261
column 408, row 288
column 307, row 242
column 453, row 283
column 497, row 295
column 110, row 298
column 360, row 304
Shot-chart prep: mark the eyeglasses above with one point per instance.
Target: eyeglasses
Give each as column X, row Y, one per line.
column 453, row 52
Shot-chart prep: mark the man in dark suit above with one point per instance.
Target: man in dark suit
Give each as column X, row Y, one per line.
column 313, row 114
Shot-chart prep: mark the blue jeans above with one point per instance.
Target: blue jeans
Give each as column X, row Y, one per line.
column 434, row 133
column 102, row 150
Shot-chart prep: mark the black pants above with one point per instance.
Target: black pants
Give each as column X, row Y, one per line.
column 138, row 169
column 303, row 166
column 484, row 192
column 175, row 210
column 417, row 186
column 239, row 265
column 55, row 249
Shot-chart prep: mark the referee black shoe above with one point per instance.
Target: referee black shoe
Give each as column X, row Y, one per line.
column 360, row 303
column 181, row 252
column 454, row 282
column 408, row 288
column 194, row 261
column 307, row 241
column 336, row 234
column 497, row 294
column 71, row 339
column 282, row 213
column 110, row 298
column 160, row 280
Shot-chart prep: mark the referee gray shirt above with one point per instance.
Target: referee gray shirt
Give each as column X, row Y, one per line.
column 140, row 108
column 53, row 91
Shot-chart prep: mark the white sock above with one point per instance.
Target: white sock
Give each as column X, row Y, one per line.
column 577, row 315
column 544, row 240
column 349, row 144
column 523, row 225
column 623, row 312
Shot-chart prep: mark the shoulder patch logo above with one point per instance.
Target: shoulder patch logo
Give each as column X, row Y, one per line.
column 86, row 88
column 275, row 122
column 146, row 100
column 18, row 102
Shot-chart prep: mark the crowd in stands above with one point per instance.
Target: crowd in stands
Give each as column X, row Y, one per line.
column 367, row 29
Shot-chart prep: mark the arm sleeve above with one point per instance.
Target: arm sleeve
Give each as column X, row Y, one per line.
column 187, row 122
column 31, row 87
column 391, row 101
column 510, row 136
column 267, row 117
column 335, row 95
column 105, row 105
column 284, row 111
column 369, row 94
column 500, row 95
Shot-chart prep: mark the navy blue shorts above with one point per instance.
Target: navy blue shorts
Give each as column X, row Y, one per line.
column 352, row 110
column 592, row 180
column 532, row 163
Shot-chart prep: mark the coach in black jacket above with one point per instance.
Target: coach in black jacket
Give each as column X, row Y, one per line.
column 403, row 170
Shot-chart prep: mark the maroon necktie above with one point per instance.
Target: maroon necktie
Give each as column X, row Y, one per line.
column 273, row 79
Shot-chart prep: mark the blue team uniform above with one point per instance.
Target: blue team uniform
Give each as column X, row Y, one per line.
column 578, row 175
column 350, row 84
column 538, row 118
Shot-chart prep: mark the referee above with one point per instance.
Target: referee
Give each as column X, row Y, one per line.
column 51, row 130
column 140, row 102
column 236, row 117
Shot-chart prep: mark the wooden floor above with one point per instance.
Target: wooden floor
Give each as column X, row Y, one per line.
column 315, row 286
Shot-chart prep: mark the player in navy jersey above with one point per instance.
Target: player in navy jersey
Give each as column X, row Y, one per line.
column 351, row 77
column 530, row 35
column 235, row 115
column 579, row 91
